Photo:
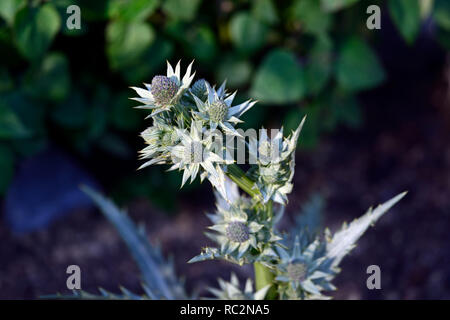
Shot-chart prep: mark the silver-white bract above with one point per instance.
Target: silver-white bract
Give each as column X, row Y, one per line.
column 218, row 111
column 148, row 100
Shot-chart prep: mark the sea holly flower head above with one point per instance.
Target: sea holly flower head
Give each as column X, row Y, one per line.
column 159, row 139
column 194, row 154
column 199, row 90
column 232, row 290
column 218, row 111
column 275, row 164
column 164, row 91
column 305, row 271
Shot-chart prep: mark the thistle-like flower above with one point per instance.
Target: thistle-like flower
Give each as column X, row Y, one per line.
column 164, row 91
column 232, row 290
column 304, row 272
column 199, row 90
column 239, row 228
column 159, row 139
column 275, row 166
column 218, row 109
column 194, row 154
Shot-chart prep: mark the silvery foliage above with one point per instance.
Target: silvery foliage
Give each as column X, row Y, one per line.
column 185, row 121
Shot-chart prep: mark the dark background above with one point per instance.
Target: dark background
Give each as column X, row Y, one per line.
column 378, row 106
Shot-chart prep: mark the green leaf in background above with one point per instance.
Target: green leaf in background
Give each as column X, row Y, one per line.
column 6, row 167
column 34, row 30
column 311, row 16
column 342, row 108
column 10, row 125
column 334, row 5
column 265, row 11
column 151, row 61
column 319, row 66
column 131, row 10
column 279, row 78
column 50, row 80
column 9, row 8
column 247, row 33
column 72, row 113
column 406, row 17
column 181, row 9
column 236, row 72
column 357, row 66
column 311, row 128
column 6, row 83
column 205, row 47
column 442, row 14
column 123, row 115
column 127, row 42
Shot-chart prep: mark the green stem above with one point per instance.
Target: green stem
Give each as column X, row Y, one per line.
column 264, row 277
column 238, row 176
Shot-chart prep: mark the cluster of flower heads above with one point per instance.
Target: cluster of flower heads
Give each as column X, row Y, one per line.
column 188, row 120
column 241, row 231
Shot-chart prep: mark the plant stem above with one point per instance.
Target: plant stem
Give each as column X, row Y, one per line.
column 238, row 176
column 264, row 277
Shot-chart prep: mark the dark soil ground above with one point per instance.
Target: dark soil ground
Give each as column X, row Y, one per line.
column 404, row 145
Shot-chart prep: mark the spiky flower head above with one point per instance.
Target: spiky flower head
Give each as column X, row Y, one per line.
column 194, row 154
column 218, row 109
column 199, row 90
column 164, row 91
column 275, row 164
column 159, row 139
column 232, row 290
column 304, row 272
column 239, row 228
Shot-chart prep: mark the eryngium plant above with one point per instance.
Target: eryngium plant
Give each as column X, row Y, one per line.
column 187, row 122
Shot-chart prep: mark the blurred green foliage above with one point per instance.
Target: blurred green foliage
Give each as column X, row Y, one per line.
column 69, row 87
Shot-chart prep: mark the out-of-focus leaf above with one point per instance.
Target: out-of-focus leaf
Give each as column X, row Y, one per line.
column 158, row 274
column 334, row 5
column 131, row 10
column 357, row 66
column 10, row 125
column 311, row 16
column 311, row 128
column 6, row 82
column 236, row 72
column 127, row 42
column 204, row 48
column 406, row 17
column 247, row 33
column 181, row 9
column 442, row 14
column 341, row 108
column 50, row 80
column 123, row 115
column 279, row 78
column 319, row 66
column 35, row 28
column 9, row 8
column 93, row 10
column 71, row 113
column 151, row 61
column 265, row 11
column 6, row 167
